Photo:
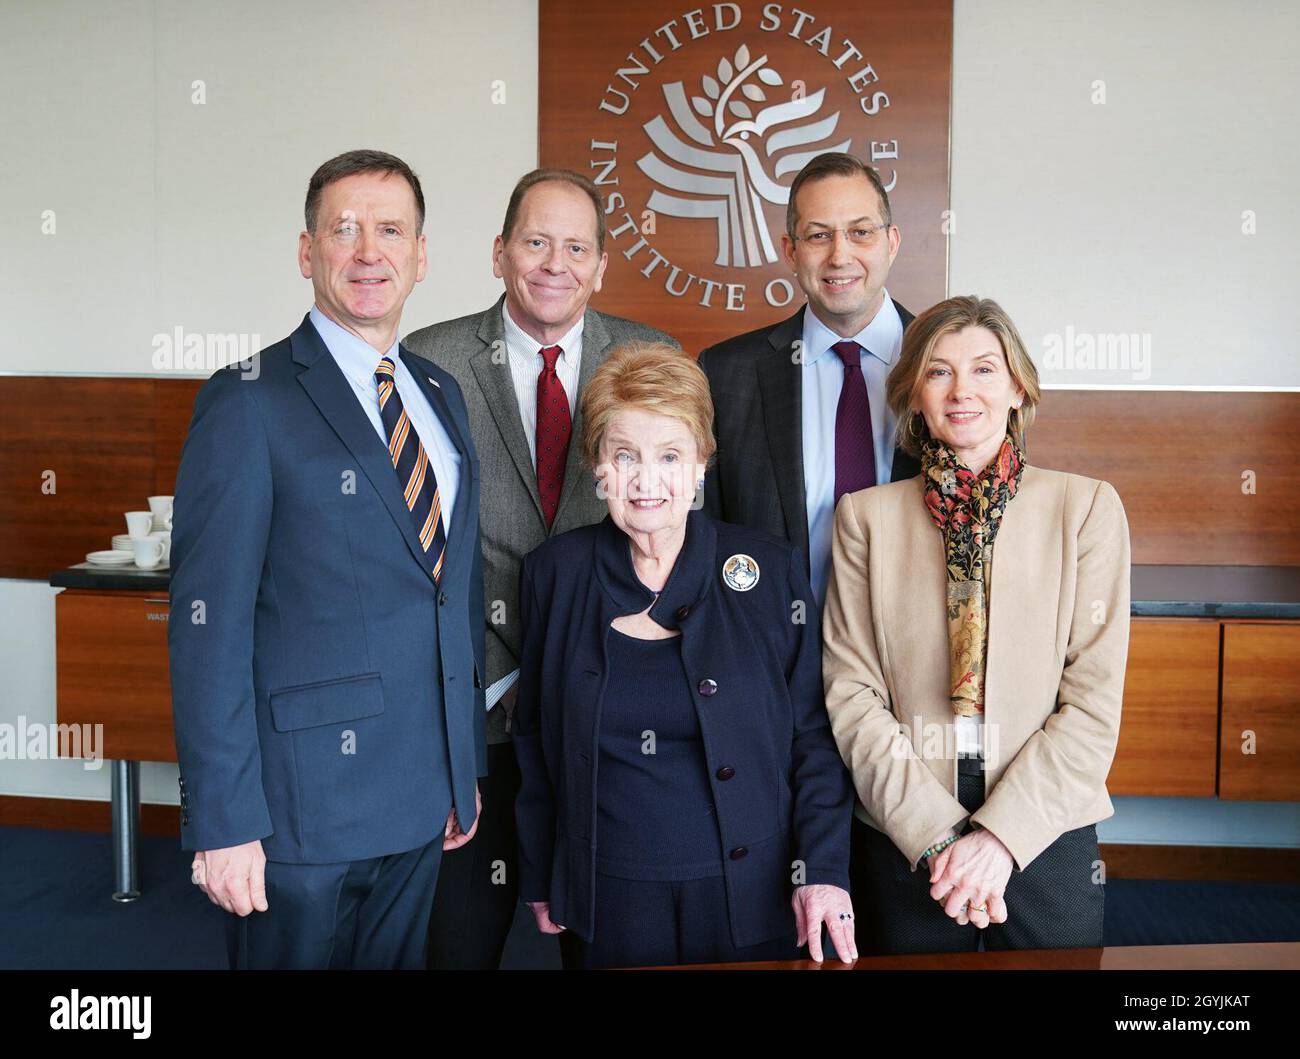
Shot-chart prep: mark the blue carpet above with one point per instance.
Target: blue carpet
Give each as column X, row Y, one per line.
column 56, row 910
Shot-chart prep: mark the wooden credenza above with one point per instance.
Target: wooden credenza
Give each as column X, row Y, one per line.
column 1211, row 700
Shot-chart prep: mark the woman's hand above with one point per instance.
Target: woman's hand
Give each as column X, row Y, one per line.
column 542, row 913
column 815, row 905
column 971, row 875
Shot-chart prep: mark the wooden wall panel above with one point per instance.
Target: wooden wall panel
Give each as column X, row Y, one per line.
column 1261, row 695
column 1177, row 460
column 1168, row 738
column 603, row 73
column 111, row 443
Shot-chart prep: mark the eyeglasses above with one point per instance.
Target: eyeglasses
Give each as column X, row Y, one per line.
column 861, row 235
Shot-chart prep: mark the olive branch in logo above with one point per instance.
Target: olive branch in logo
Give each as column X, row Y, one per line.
column 724, row 88
column 733, row 201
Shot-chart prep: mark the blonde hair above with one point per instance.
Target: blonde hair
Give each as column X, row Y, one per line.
column 923, row 334
column 654, row 377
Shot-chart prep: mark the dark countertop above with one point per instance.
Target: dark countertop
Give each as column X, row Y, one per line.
column 1158, row 591
column 112, row 578
column 1216, row 591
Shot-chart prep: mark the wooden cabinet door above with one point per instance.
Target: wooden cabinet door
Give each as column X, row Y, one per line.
column 1168, row 736
column 1259, row 755
column 111, row 650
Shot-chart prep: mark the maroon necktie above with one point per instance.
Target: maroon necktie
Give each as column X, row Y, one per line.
column 855, row 449
column 553, row 429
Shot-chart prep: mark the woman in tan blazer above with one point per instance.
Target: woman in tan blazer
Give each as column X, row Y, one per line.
column 975, row 691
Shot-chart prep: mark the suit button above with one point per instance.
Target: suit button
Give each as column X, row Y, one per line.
column 681, row 612
column 442, row 599
column 707, row 686
column 726, row 772
column 739, row 852
column 181, row 781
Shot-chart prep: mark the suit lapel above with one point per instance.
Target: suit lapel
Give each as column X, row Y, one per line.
column 596, row 341
column 780, row 386
column 494, row 379
column 438, row 402
column 333, row 396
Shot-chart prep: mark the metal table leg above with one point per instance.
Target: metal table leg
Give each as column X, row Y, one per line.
column 126, row 828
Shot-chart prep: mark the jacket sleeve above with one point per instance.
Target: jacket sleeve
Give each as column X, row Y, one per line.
column 478, row 632
column 712, row 478
column 476, row 603
column 219, row 539
column 895, row 786
column 1062, row 767
column 535, row 803
column 822, row 793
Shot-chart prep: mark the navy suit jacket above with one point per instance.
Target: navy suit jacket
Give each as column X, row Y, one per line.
column 784, row 809
column 757, row 388
column 326, row 690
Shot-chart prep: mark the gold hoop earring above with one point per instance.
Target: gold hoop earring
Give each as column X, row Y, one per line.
column 911, row 423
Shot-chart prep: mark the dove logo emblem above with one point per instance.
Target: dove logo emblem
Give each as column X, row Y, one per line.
column 742, row 146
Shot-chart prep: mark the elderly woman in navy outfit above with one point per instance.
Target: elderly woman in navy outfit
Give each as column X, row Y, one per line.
column 682, row 798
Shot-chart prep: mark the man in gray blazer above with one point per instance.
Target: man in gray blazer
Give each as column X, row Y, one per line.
column 521, row 365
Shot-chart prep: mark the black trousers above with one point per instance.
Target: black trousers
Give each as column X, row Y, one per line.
column 364, row 914
column 478, row 884
column 660, row 924
column 1052, row 904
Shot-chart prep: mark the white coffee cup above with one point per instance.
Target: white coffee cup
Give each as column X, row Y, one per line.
column 148, row 552
column 161, row 508
column 139, row 524
column 166, row 537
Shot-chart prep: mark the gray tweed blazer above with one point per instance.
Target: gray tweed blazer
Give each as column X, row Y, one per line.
column 510, row 514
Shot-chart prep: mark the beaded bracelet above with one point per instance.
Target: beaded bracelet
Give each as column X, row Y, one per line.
column 939, row 847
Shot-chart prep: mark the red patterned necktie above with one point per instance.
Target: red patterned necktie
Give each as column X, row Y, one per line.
column 553, row 430
column 414, row 472
column 855, row 448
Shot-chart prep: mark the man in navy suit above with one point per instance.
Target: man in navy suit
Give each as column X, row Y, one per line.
column 326, row 630
column 813, row 385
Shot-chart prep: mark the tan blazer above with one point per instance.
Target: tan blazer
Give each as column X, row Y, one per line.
column 1057, row 648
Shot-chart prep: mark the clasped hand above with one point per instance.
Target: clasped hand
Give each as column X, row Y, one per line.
column 969, row 878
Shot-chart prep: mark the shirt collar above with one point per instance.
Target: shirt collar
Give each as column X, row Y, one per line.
column 879, row 337
column 355, row 356
column 517, row 337
column 687, row 585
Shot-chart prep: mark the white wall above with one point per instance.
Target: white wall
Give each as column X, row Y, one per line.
column 174, row 214
column 1118, row 218
column 1126, row 217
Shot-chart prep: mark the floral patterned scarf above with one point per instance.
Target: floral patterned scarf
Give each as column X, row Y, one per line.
column 968, row 509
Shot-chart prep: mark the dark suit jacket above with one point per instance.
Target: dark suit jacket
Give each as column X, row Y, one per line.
column 754, row 673
column 303, row 609
column 757, row 390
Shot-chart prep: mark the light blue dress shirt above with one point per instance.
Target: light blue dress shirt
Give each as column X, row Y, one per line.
column 822, row 379
column 358, row 359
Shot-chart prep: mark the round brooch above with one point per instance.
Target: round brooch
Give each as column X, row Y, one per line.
column 740, row 572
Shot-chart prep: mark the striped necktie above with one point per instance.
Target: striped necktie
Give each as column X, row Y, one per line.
column 414, row 473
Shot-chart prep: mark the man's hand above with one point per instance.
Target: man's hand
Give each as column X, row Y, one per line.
column 452, row 836
column 507, row 702
column 542, row 914
column 234, row 878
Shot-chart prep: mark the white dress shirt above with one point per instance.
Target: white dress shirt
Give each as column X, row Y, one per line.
column 823, row 378
column 524, row 354
column 357, row 360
